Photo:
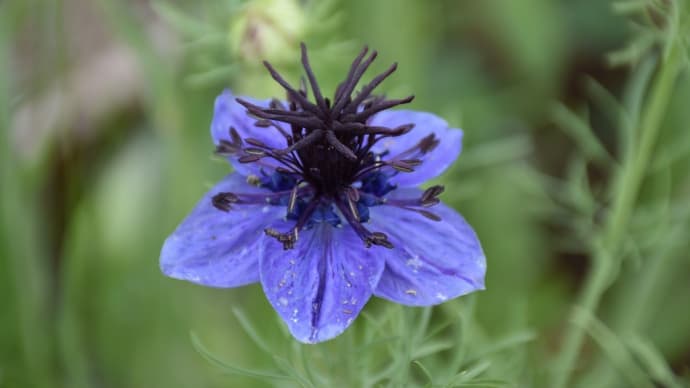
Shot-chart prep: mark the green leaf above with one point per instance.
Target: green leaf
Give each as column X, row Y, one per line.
column 251, row 331
column 652, row 360
column 614, row 348
column 580, row 131
column 232, row 369
column 470, row 373
column 425, row 372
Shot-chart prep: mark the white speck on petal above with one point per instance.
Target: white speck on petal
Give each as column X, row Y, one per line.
column 481, row 260
column 414, row 263
column 266, row 209
column 441, row 296
column 283, row 300
column 411, row 292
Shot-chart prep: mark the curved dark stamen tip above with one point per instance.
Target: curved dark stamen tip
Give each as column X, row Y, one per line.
column 429, row 215
column 341, row 94
column 225, row 148
column 276, row 104
column 403, row 129
column 294, row 94
column 263, row 123
column 378, row 238
column 249, row 158
column 320, row 102
column 400, row 165
column 255, row 142
column 428, row 143
column 301, row 121
column 430, row 196
column 367, row 89
column 376, row 107
column 284, row 170
column 255, row 151
column 290, row 238
column 287, row 239
column 224, row 201
column 234, row 136
column 412, row 162
column 247, row 104
column 352, row 79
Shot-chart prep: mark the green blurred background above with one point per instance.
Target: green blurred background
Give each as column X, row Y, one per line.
column 105, row 109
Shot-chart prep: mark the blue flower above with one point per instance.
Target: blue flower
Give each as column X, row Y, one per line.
column 323, row 207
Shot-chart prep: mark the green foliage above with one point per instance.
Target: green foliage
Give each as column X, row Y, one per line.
column 395, row 347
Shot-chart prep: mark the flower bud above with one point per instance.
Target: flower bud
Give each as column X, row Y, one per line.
column 267, row 30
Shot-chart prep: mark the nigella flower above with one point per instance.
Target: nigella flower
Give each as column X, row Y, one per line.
column 323, row 208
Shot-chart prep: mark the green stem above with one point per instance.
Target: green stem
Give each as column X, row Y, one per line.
column 606, row 257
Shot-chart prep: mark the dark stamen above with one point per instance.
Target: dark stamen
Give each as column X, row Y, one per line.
column 329, row 160
column 376, row 108
column 366, row 90
column 369, row 238
column 312, row 80
column 340, row 147
column 289, row 239
column 301, row 99
column 304, row 142
column 340, row 93
column 292, row 201
column 430, row 196
column 224, row 201
column 428, row 143
column 249, row 158
column 352, row 83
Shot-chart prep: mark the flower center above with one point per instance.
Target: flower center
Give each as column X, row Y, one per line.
column 328, row 165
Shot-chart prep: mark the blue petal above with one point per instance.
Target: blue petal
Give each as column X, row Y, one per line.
column 229, row 113
column 216, row 248
column 432, row 261
column 320, row 286
column 434, row 162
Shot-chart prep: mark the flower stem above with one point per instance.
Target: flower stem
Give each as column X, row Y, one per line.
column 606, row 256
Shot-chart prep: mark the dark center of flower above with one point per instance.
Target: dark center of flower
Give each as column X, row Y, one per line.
column 327, row 166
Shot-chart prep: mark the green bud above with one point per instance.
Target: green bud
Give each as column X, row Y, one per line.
column 267, row 30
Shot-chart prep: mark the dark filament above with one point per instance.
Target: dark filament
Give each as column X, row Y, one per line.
column 328, row 148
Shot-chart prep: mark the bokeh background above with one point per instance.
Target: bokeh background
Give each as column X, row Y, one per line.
column 574, row 174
